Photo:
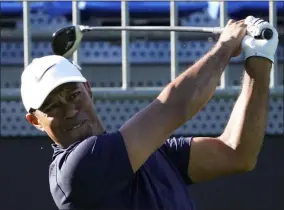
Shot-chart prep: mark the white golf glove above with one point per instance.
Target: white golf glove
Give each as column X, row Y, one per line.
column 259, row 47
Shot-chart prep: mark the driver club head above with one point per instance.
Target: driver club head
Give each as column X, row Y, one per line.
column 65, row 41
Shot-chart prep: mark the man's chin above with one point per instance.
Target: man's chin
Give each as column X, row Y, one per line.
column 80, row 134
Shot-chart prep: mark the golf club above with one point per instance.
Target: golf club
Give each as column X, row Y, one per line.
column 66, row 40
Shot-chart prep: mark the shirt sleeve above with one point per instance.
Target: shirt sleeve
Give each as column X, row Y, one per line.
column 177, row 150
column 95, row 166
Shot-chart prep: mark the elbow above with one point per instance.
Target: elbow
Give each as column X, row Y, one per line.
column 249, row 167
column 242, row 160
column 246, row 165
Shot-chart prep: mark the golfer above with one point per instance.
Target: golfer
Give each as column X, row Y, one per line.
column 140, row 166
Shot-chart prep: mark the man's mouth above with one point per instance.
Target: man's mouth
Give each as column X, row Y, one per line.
column 76, row 126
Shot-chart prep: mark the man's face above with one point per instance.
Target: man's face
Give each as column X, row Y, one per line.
column 68, row 114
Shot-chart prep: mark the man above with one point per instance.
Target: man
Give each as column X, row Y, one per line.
column 140, row 166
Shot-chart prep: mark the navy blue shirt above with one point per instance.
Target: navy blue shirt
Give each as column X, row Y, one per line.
column 96, row 174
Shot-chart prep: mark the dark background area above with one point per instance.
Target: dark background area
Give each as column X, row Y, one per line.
column 24, row 179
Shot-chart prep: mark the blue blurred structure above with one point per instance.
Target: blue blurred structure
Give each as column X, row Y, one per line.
column 105, row 8
column 101, row 8
column 242, row 9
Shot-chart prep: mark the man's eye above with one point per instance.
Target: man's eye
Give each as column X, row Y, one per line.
column 50, row 108
column 74, row 95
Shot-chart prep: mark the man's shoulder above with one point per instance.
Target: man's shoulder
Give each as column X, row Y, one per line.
column 94, row 149
column 60, row 152
column 61, row 155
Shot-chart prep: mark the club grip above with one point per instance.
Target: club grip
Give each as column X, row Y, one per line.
column 265, row 34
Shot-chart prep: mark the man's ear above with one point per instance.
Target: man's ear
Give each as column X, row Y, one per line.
column 88, row 88
column 34, row 121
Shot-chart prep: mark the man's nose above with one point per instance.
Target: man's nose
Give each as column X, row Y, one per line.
column 70, row 111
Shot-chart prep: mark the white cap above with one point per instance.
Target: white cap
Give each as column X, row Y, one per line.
column 45, row 74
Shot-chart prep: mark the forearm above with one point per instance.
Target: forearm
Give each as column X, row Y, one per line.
column 191, row 90
column 246, row 127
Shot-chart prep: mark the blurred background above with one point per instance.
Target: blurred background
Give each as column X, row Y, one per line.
column 25, row 153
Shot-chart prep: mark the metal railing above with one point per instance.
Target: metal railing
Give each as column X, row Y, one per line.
column 224, row 90
column 223, row 21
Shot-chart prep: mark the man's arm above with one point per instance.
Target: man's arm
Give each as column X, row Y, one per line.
column 146, row 131
column 237, row 149
column 251, row 112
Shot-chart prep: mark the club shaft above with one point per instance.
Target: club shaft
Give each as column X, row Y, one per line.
column 215, row 30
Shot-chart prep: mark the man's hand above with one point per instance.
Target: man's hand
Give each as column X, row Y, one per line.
column 233, row 35
column 259, row 47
